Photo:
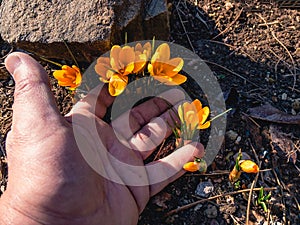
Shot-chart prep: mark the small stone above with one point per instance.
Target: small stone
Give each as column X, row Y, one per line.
column 204, row 189
column 232, row 135
column 228, row 5
column 296, row 105
column 198, row 207
column 238, row 139
column 274, row 99
column 293, row 112
column 11, row 83
column 211, row 211
column 284, row 96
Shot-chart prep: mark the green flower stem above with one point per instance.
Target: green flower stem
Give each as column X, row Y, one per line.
column 50, row 61
column 221, row 114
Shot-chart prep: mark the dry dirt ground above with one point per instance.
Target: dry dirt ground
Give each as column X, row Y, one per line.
column 253, row 48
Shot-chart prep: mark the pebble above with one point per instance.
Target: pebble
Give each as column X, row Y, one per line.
column 204, row 189
column 238, row 139
column 211, row 211
column 232, row 135
column 296, row 104
column 11, row 83
column 284, row 96
column 198, row 207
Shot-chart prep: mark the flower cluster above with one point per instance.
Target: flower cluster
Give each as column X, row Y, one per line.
column 192, row 117
column 125, row 61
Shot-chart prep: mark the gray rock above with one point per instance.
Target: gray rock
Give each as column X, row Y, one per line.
column 204, row 189
column 89, row 27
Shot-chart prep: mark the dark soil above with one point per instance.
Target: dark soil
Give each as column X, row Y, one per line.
column 253, row 48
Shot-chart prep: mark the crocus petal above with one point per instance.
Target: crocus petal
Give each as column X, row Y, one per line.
column 197, row 104
column 147, row 50
column 126, row 55
column 249, row 166
column 102, row 65
column 78, row 79
column 128, row 69
column 138, row 47
column 178, row 79
column 204, row 126
column 59, row 74
column 150, row 69
column 155, row 58
column 163, row 52
column 191, row 119
column 76, row 69
column 234, row 175
column 140, row 62
column 114, row 57
column 204, row 113
column 191, row 166
column 181, row 113
column 117, row 84
column 173, row 66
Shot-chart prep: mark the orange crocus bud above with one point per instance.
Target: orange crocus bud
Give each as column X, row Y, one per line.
column 249, row 166
column 234, row 175
column 197, row 165
column 191, row 166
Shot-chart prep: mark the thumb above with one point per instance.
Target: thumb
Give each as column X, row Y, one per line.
column 34, row 105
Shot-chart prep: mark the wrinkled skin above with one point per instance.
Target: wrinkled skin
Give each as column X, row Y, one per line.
column 49, row 180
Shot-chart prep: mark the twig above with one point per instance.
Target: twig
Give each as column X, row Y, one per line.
column 252, row 120
column 217, row 174
column 249, row 199
column 297, row 90
column 71, row 54
column 213, row 197
column 256, row 157
column 185, row 31
column 230, row 25
column 234, row 219
column 234, row 73
column 266, row 24
column 281, row 59
column 10, row 51
column 268, row 216
column 199, row 18
column 291, row 74
column 160, row 149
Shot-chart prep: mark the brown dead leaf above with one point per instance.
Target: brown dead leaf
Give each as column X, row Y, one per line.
column 272, row 114
column 283, row 141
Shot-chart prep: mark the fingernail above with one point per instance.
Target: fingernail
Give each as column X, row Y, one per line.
column 12, row 62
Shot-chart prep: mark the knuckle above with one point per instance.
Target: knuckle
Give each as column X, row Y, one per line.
column 25, row 86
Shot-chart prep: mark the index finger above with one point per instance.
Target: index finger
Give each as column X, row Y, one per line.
column 96, row 101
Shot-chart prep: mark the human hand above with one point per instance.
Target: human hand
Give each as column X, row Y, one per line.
column 51, row 180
